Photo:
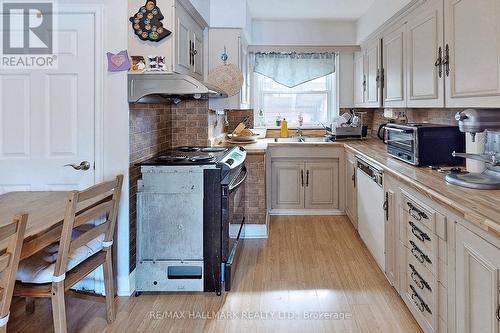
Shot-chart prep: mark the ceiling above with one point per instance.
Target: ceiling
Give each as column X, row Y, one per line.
column 308, row 9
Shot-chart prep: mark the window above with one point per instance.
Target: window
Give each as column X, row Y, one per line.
column 315, row 100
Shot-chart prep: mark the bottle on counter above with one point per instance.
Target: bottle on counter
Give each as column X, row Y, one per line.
column 284, row 128
column 278, row 120
column 262, row 119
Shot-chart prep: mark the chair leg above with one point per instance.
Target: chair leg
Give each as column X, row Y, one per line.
column 58, row 307
column 109, row 287
column 30, row 305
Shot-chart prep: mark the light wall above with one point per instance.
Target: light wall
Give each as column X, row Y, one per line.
column 303, row 32
column 228, row 13
column 203, row 7
column 378, row 13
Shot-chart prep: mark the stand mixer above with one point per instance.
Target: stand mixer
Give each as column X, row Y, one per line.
column 475, row 121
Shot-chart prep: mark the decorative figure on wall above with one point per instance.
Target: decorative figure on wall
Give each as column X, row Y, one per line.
column 147, row 23
column 157, row 63
column 118, row 62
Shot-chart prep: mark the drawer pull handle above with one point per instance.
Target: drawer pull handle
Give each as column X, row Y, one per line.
column 418, row 254
column 418, row 301
column 498, row 313
column 422, row 236
column 416, row 213
column 417, row 278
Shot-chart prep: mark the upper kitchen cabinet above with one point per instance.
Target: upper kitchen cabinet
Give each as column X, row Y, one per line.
column 425, row 87
column 359, row 80
column 373, row 73
column 189, row 44
column 183, row 49
column 233, row 41
column 472, row 53
column 393, row 47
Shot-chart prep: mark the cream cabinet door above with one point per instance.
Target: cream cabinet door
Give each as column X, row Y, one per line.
column 393, row 47
column 473, row 39
column 288, row 179
column 372, row 65
column 477, row 283
column 197, row 40
column 351, row 208
column 425, row 86
column 183, row 43
column 322, row 184
column 359, row 80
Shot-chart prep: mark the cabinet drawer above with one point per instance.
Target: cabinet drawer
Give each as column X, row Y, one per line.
column 423, row 244
column 424, row 313
column 418, row 212
column 423, row 280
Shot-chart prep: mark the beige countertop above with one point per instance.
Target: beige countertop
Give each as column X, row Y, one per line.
column 481, row 207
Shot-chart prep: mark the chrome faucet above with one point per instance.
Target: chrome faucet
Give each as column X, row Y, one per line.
column 300, row 135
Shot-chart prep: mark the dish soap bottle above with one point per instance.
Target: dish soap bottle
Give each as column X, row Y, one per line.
column 284, row 128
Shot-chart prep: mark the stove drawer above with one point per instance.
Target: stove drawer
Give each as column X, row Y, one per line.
column 169, row 276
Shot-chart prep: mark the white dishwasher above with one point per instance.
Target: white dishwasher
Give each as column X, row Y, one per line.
column 371, row 224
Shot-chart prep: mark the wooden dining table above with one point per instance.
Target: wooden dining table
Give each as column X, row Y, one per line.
column 45, row 216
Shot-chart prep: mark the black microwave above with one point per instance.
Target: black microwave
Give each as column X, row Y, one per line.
column 423, row 144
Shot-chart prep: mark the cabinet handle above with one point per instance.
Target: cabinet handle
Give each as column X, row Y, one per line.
column 422, row 236
column 386, row 206
column 418, row 279
column 354, row 177
column 418, row 254
column 498, row 313
column 364, row 83
column 416, row 213
column 446, row 59
column 307, row 178
column 418, row 301
column 302, row 177
column 439, row 62
column 378, row 78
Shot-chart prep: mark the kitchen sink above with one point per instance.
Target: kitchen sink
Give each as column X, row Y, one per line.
column 303, row 139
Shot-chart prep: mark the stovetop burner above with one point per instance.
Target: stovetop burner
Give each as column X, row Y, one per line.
column 172, row 158
column 202, row 158
column 213, row 149
column 188, row 149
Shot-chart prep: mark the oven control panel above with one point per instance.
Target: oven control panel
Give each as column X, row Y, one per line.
column 235, row 158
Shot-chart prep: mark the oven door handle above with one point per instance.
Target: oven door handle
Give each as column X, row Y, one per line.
column 234, row 187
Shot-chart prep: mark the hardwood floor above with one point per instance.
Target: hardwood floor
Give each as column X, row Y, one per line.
column 309, row 267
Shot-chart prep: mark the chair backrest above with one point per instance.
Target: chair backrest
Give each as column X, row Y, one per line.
column 11, row 238
column 104, row 199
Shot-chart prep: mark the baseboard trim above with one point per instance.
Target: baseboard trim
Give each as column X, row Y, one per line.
column 250, row 231
column 306, row 212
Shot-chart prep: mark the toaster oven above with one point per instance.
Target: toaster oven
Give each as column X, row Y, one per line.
column 423, row 144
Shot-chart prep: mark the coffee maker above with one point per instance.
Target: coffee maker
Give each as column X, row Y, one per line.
column 475, row 121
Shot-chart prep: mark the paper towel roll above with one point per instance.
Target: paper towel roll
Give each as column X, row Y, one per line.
column 476, row 147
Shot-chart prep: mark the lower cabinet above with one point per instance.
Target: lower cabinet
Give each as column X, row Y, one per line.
column 477, row 283
column 305, row 185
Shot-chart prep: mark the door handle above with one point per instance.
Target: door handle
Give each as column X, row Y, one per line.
column 307, row 178
column 302, row 177
column 84, row 166
column 446, row 60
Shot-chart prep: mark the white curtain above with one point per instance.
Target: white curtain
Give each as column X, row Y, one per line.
column 292, row 69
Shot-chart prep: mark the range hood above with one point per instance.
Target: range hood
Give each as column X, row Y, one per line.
column 157, row 87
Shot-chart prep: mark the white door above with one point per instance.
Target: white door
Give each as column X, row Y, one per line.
column 477, row 284
column 198, row 52
column 184, row 44
column 424, row 48
column 359, row 79
column 288, row 179
column 473, row 37
column 394, row 68
column 47, row 116
column 322, row 184
column 372, row 72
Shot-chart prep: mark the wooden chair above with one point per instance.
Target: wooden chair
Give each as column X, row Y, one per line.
column 83, row 247
column 11, row 238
